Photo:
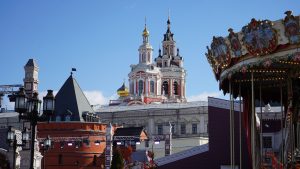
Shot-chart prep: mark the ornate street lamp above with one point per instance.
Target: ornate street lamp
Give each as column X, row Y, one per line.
column 29, row 109
column 25, row 136
column 47, row 144
column 13, row 142
column 20, row 103
column 10, row 135
column 48, row 104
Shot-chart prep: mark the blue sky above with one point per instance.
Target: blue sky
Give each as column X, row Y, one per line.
column 101, row 38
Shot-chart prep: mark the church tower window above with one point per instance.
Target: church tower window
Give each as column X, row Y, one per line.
column 152, row 87
column 175, row 87
column 141, row 87
column 165, row 88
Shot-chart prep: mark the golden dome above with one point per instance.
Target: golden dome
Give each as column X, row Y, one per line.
column 145, row 32
column 123, row 91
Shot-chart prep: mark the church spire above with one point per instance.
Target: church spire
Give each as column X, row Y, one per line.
column 145, row 33
column 168, row 36
column 169, row 22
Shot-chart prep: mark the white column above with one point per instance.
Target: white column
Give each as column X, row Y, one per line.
column 171, row 87
column 181, row 88
column 147, row 86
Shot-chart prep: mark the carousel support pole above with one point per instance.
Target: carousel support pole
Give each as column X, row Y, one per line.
column 240, row 124
column 230, row 127
column 261, row 126
column 290, row 117
column 282, row 137
column 253, row 123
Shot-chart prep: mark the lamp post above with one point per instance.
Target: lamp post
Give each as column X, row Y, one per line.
column 29, row 109
column 12, row 140
column 47, row 144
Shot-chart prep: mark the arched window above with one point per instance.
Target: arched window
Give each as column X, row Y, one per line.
column 152, row 87
column 165, row 88
column 175, row 88
column 148, row 56
column 58, row 118
column 165, row 64
column 143, row 57
column 141, row 87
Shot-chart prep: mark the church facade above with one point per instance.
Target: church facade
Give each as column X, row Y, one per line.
column 161, row 81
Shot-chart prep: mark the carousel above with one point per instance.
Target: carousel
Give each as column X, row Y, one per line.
column 258, row 65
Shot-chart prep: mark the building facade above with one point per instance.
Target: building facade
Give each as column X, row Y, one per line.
column 189, row 122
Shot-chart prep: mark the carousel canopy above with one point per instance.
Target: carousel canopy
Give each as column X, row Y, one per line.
column 264, row 52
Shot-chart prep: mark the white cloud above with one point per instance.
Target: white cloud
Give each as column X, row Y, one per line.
column 203, row 96
column 96, row 97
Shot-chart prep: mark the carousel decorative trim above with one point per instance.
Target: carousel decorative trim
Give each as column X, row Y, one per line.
column 257, row 39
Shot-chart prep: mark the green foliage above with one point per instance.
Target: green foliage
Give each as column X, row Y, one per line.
column 117, row 160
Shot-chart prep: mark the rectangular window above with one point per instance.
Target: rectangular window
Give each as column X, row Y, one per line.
column 182, row 128
column 173, row 128
column 194, row 128
column 267, row 142
column 159, row 129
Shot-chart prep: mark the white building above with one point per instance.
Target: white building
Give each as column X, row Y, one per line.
column 189, row 122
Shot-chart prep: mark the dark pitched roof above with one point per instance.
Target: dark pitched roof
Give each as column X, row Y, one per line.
column 129, row 131
column 70, row 98
column 31, row 63
column 122, row 88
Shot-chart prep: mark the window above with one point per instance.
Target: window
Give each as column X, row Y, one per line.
column 58, row 118
column 175, row 88
column 131, row 88
column 95, row 160
column 60, row 159
column 194, row 128
column 166, row 64
column 143, row 57
column 182, row 128
column 173, row 128
column 165, row 88
column 141, row 87
column 267, row 142
column 68, row 118
column 147, row 143
column 152, row 87
column 159, row 129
